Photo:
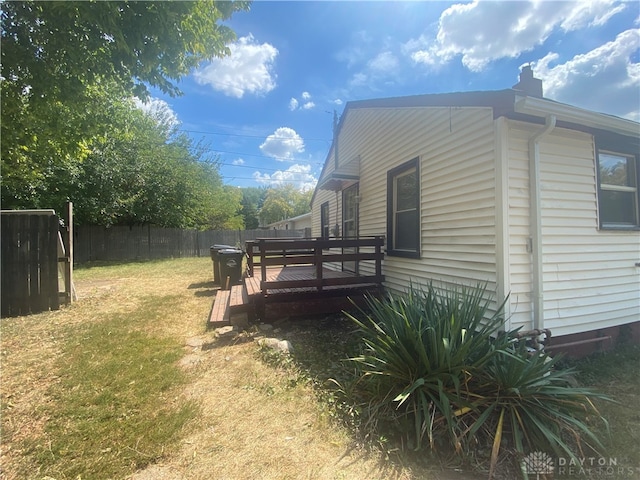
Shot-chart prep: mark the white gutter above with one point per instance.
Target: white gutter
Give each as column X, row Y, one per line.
column 541, row 107
column 535, row 222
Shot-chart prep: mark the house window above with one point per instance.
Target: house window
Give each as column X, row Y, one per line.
column 350, row 211
column 618, row 190
column 324, row 220
column 403, row 211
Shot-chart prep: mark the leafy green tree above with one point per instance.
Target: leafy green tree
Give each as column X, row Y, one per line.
column 62, row 61
column 54, row 50
column 284, row 202
column 252, row 200
column 141, row 173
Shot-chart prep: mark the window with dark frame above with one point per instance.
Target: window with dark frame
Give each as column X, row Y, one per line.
column 618, row 200
column 403, row 212
column 324, row 220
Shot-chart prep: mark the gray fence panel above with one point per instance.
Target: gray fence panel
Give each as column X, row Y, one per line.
column 123, row 243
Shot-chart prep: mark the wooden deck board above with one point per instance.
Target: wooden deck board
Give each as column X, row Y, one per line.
column 220, row 310
column 252, row 285
column 236, row 296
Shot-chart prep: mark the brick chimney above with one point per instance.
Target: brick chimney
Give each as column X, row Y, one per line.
column 528, row 84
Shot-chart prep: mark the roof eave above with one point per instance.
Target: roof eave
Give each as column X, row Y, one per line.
column 540, row 107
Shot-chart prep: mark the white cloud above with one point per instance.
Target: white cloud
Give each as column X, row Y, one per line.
column 380, row 70
column 607, row 70
column 590, row 14
column 383, row 62
column 238, row 161
column 283, row 144
column 360, row 79
column 249, row 69
column 481, row 32
column 159, row 110
column 298, row 175
column 338, row 101
column 294, row 103
column 373, row 61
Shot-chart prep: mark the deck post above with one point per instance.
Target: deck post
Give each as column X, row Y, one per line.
column 318, row 262
column 249, row 248
column 263, row 267
column 378, row 257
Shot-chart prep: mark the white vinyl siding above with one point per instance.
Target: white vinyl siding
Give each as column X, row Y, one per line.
column 456, row 165
column 589, row 276
column 590, row 280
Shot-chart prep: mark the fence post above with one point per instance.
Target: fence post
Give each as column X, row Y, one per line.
column 69, row 289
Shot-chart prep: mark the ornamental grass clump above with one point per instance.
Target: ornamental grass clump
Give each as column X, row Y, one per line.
column 435, row 371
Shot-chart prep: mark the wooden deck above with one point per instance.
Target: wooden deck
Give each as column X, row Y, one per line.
column 290, row 277
column 296, row 279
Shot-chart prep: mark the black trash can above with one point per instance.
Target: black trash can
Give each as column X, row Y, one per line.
column 214, row 250
column 230, row 264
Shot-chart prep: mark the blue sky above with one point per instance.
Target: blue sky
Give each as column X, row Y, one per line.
column 267, row 109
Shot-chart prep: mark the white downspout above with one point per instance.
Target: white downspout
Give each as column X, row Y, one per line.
column 535, row 222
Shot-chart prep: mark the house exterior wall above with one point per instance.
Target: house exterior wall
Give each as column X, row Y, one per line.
column 474, row 203
column 300, row 222
column 589, row 278
column 457, row 170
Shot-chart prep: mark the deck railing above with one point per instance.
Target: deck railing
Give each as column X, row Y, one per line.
column 319, row 252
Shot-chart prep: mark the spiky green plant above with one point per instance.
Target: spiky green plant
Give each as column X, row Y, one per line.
column 537, row 405
column 420, row 350
column 434, row 365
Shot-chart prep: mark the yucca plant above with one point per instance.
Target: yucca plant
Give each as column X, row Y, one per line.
column 524, row 399
column 420, row 350
column 434, row 365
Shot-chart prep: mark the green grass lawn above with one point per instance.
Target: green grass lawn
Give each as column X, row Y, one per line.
column 104, row 374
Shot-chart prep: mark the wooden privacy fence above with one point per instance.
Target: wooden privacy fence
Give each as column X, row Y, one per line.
column 29, row 262
column 145, row 242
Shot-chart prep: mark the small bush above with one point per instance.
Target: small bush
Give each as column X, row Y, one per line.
column 434, row 368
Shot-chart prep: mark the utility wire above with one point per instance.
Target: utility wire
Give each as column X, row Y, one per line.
column 276, row 180
column 285, row 159
column 253, row 136
column 252, row 167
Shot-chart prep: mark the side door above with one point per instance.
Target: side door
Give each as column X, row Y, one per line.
column 350, row 223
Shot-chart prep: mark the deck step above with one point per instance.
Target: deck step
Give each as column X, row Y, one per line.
column 252, row 286
column 238, row 300
column 219, row 315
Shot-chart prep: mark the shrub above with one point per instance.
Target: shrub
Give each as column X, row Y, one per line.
column 434, row 366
